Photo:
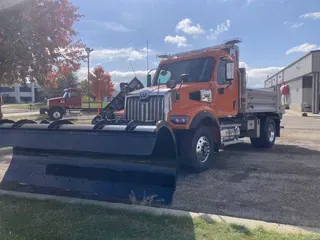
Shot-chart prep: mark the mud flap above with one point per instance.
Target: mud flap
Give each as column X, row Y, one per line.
column 123, row 163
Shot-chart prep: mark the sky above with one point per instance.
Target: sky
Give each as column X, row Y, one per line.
column 274, row 33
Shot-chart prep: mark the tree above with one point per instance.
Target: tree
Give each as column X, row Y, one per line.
column 70, row 81
column 99, row 76
column 84, row 87
column 36, row 42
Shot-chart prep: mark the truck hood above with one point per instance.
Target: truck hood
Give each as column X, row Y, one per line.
column 57, row 99
column 162, row 90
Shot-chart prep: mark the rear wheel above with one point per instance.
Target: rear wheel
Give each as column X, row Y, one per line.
column 56, row 113
column 199, row 148
column 267, row 134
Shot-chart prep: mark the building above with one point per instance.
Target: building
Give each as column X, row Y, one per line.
column 18, row 93
column 303, row 79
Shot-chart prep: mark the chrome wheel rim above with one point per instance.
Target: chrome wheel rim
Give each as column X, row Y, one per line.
column 56, row 114
column 271, row 133
column 203, row 149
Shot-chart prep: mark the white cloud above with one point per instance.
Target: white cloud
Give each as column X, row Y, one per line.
column 311, row 15
column 304, row 48
column 116, row 76
column 119, row 77
column 186, row 26
column 181, row 41
column 113, row 26
column 256, row 76
column 117, row 27
column 297, row 25
column 223, row 27
column 82, row 73
column 243, row 65
column 277, row 1
column 118, row 53
column 285, row 22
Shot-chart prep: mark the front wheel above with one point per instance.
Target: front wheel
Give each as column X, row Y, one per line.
column 267, row 135
column 199, row 149
column 56, row 113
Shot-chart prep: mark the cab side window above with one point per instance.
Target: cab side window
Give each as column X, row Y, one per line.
column 74, row 94
column 222, row 72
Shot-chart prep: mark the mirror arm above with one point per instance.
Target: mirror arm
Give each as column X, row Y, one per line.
column 229, row 85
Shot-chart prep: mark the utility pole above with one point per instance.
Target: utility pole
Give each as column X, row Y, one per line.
column 88, row 51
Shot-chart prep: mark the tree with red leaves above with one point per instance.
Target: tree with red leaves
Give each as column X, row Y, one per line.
column 36, row 42
column 99, row 76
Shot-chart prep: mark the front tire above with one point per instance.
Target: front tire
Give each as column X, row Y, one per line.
column 56, row 114
column 199, row 148
column 267, row 134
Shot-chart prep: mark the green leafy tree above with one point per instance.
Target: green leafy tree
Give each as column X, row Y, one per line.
column 70, row 81
column 84, row 86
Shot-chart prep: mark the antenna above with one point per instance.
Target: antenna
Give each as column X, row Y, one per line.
column 147, row 56
column 133, row 69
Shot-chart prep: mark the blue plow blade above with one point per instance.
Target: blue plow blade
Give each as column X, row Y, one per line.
column 109, row 161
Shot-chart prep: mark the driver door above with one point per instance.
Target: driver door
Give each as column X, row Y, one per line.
column 226, row 94
column 74, row 99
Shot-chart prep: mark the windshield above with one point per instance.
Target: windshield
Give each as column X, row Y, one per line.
column 65, row 95
column 198, row 70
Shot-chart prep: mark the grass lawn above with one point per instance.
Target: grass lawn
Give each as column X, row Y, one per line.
column 93, row 105
column 36, row 106
column 33, row 219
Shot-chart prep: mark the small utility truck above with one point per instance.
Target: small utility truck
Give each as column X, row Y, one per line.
column 57, row 107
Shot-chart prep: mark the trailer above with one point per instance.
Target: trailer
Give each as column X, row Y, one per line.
column 196, row 103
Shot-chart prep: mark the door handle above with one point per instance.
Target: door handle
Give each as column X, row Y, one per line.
column 221, row 90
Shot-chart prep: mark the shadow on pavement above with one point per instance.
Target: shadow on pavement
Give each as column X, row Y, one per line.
column 277, row 148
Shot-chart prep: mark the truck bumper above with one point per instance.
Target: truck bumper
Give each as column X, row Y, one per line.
column 44, row 110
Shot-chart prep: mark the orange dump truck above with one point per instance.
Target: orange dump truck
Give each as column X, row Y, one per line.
column 202, row 94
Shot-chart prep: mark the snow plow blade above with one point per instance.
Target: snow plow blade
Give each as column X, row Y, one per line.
column 109, row 161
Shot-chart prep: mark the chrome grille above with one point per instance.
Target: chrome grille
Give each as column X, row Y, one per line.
column 145, row 110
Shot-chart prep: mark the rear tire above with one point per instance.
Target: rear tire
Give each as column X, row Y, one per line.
column 267, row 134
column 198, row 149
column 56, row 114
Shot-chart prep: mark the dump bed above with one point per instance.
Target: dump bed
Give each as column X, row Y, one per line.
column 261, row 100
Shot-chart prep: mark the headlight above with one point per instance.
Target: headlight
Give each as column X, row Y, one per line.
column 179, row 119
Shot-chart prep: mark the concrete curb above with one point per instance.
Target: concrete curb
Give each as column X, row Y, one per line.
column 5, row 150
column 170, row 212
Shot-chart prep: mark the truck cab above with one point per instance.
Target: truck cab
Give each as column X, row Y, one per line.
column 202, row 94
column 56, row 107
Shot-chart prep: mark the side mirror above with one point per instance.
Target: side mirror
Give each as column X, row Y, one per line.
column 230, row 71
column 149, row 80
column 184, row 77
column 171, row 84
